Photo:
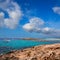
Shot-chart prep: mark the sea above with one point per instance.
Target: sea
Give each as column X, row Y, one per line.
column 9, row 45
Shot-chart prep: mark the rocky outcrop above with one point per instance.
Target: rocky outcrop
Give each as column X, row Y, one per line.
column 43, row 52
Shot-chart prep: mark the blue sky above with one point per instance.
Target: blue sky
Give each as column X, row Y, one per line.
column 30, row 18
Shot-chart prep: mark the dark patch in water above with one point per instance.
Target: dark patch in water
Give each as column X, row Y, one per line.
column 5, row 49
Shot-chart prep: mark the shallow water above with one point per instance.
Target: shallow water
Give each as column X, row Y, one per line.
column 8, row 45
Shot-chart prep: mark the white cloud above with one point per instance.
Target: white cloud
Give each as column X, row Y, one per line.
column 56, row 10
column 53, row 33
column 28, row 27
column 34, row 24
column 1, row 19
column 37, row 25
column 36, row 20
column 47, row 30
column 14, row 13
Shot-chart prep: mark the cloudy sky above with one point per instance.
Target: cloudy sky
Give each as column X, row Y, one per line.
column 30, row 18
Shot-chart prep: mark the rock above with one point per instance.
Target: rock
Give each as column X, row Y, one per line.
column 43, row 52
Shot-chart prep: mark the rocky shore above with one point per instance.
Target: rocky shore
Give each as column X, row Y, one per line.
column 42, row 52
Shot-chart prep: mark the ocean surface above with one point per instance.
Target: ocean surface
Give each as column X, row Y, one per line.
column 8, row 45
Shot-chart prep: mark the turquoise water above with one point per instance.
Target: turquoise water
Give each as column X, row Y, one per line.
column 7, row 45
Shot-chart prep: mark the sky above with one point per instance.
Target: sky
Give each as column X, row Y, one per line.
column 29, row 18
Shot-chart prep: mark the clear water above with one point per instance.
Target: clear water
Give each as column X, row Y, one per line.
column 6, row 46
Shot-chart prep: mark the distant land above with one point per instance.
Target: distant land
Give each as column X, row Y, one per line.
column 34, row 39
column 19, row 38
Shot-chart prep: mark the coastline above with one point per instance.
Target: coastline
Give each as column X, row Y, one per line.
column 41, row 52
